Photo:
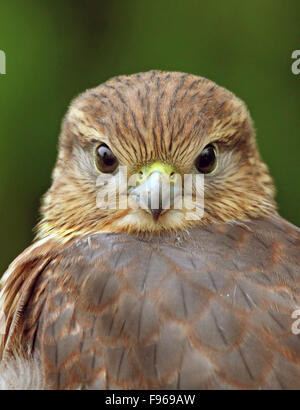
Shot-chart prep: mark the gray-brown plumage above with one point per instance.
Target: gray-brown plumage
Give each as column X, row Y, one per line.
column 118, row 299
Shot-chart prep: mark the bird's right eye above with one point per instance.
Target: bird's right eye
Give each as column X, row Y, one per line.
column 105, row 160
column 207, row 162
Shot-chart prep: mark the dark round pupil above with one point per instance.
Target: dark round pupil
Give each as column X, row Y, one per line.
column 106, row 155
column 105, row 160
column 206, row 160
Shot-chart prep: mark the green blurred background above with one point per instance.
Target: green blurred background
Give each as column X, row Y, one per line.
column 56, row 49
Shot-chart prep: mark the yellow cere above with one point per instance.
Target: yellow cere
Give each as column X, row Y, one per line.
column 157, row 166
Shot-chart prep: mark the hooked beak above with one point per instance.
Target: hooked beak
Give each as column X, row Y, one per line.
column 155, row 188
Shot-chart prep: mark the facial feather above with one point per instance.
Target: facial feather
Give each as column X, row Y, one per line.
column 147, row 117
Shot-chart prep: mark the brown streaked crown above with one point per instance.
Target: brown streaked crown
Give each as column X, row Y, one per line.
column 145, row 117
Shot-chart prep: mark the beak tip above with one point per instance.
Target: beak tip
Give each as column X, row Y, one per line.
column 156, row 213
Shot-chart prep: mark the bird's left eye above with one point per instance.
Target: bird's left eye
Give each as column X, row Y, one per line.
column 105, row 160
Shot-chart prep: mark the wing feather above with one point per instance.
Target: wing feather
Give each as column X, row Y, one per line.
column 16, row 289
column 211, row 308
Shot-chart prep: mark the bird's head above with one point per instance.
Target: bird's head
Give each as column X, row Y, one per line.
column 155, row 151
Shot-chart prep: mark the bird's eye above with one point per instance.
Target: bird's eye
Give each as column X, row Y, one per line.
column 206, row 162
column 105, row 160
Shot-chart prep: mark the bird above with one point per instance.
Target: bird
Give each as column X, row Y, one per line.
column 118, row 291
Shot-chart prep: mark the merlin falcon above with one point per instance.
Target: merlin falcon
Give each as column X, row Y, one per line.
column 145, row 296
